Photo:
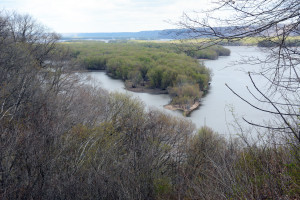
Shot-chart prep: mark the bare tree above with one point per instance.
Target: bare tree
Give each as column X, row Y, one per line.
column 273, row 22
column 34, row 79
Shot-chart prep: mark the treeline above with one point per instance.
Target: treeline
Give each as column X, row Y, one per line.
column 293, row 41
column 269, row 42
column 211, row 52
column 60, row 139
column 147, row 65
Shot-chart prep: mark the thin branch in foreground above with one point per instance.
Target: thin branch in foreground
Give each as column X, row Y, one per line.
column 281, row 114
column 262, row 126
column 263, row 110
column 282, row 104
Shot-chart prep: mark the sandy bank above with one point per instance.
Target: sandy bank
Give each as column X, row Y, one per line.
column 186, row 111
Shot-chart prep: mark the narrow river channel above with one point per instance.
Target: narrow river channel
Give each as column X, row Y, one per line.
column 219, row 105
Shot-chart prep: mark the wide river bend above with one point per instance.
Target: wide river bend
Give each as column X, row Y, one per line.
column 219, row 105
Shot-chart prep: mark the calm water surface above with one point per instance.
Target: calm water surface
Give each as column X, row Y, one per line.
column 220, row 104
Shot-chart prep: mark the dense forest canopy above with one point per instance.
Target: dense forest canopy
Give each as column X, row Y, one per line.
column 61, row 139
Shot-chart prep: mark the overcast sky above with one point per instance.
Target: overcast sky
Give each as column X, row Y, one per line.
column 70, row 16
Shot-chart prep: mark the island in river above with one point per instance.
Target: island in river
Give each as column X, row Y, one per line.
column 185, row 108
column 157, row 68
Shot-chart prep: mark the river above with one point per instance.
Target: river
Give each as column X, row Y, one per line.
column 219, row 105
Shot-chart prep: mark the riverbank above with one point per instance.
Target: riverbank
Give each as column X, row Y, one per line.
column 186, row 111
column 143, row 89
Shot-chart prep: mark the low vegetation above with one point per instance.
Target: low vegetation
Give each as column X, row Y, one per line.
column 61, row 139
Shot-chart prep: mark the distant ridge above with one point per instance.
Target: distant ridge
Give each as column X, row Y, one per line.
column 144, row 35
column 150, row 35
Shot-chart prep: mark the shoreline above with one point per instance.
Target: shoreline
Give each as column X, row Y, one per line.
column 141, row 89
column 186, row 112
column 155, row 91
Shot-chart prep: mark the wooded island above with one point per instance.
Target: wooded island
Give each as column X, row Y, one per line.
column 152, row 67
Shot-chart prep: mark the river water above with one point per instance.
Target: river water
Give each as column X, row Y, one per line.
column 219, row 105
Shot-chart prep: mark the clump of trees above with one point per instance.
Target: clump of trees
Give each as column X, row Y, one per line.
column 212, row 52
column 290, row 42
column 60, row 139
column 238, row 169
column 185, row 94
